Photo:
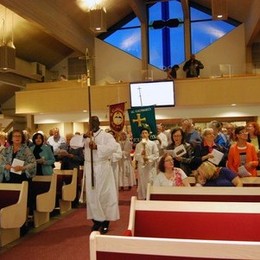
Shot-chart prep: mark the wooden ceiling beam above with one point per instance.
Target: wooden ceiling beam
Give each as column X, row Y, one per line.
column 139, row 9
column 54, row 22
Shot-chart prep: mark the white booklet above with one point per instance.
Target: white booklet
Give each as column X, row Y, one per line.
column 17, row 162
column 217, row 157
column 77, row 141
column 177, row 152
column 243, row 172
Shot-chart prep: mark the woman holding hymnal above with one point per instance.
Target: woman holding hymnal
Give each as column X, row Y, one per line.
column 181, row 151
column 208, row 150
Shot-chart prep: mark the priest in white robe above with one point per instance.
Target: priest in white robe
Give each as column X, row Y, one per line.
column 102, row 199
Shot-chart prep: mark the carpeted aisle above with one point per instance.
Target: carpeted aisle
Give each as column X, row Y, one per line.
column 67, row 238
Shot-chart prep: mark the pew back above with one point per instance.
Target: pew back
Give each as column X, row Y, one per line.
column 13, row 211
column 128, row 248
column 221, row 194
column 45, row 198
column 66, row 188
column 195, row 220
column 251, row 181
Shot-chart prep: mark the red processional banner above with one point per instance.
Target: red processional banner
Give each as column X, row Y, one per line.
column 117, row 117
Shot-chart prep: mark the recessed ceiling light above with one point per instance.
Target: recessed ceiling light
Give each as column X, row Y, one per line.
column 233, row 105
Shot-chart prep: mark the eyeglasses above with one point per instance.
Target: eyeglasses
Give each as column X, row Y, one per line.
column 243, row 133
column 168, row 160
column 176, row 135
column 17, row 136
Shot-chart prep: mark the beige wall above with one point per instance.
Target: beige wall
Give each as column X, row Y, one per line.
column 114, row 65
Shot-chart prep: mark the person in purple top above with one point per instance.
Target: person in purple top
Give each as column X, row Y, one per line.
column 210, row 175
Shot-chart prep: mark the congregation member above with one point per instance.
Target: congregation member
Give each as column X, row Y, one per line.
column 172, row 72
column 102, row 198
column 161, row 141
column 56, row 141
column 27, row 135
column 242, row 156
column 254, row 135
column 220, row 137
column 230, row 128
column 192, row 67
column 184, row 159
column 168, row 174
column 43, row 155
column 17, row 162
column 3, row 141
column 126, row 171
column 191, row 135
column 70, row 156
column 146, row 155
column 205, row 150
column 210, row 175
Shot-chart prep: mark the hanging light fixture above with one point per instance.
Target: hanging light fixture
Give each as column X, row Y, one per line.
column 219, row 9
column 97, row 20
column 7, row 49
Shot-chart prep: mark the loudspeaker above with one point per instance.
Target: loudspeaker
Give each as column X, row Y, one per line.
column 7, row 57
column 219, row 9
column 97, row 20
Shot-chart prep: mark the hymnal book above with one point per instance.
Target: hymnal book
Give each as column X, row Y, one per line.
column 17, row 162
column 243, row 172
column 177, row 152
column 217, row 157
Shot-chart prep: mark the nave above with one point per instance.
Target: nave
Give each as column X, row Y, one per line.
column 65, row 236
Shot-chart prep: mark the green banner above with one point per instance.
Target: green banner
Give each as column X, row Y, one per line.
column 142, row 117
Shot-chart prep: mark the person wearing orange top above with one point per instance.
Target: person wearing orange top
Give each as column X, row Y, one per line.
column 242, row 156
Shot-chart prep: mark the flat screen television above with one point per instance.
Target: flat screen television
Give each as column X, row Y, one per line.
column 157, row 93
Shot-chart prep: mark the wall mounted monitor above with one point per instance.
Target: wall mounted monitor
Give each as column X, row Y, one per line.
column 157, row 93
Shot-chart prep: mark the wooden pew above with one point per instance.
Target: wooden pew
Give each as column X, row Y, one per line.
column 228, row 194
column 251, row 181
column 66, row 188
column 45, row 189
column 128, row 248
column 234, row 221
column 13, row 210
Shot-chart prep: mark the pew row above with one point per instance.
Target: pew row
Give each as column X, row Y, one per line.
column 44, row 188
column 13, row 210
column 233, row 221
column 128, row 248
column 251, row 181
column 221, row 194
column 66, row 188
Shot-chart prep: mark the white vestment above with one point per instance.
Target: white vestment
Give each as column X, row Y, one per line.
column 115, row 158
column 126, row 171
column 102, row 200
column 146, row 171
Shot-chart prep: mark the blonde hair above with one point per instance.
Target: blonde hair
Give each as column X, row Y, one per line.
column 205, row 131
column 3, row 135
column 209, row 170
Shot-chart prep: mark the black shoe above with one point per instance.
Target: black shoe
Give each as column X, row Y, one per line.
column 104, row 227
column 96, row 226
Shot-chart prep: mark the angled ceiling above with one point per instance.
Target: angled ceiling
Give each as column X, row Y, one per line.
column 48, row 31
